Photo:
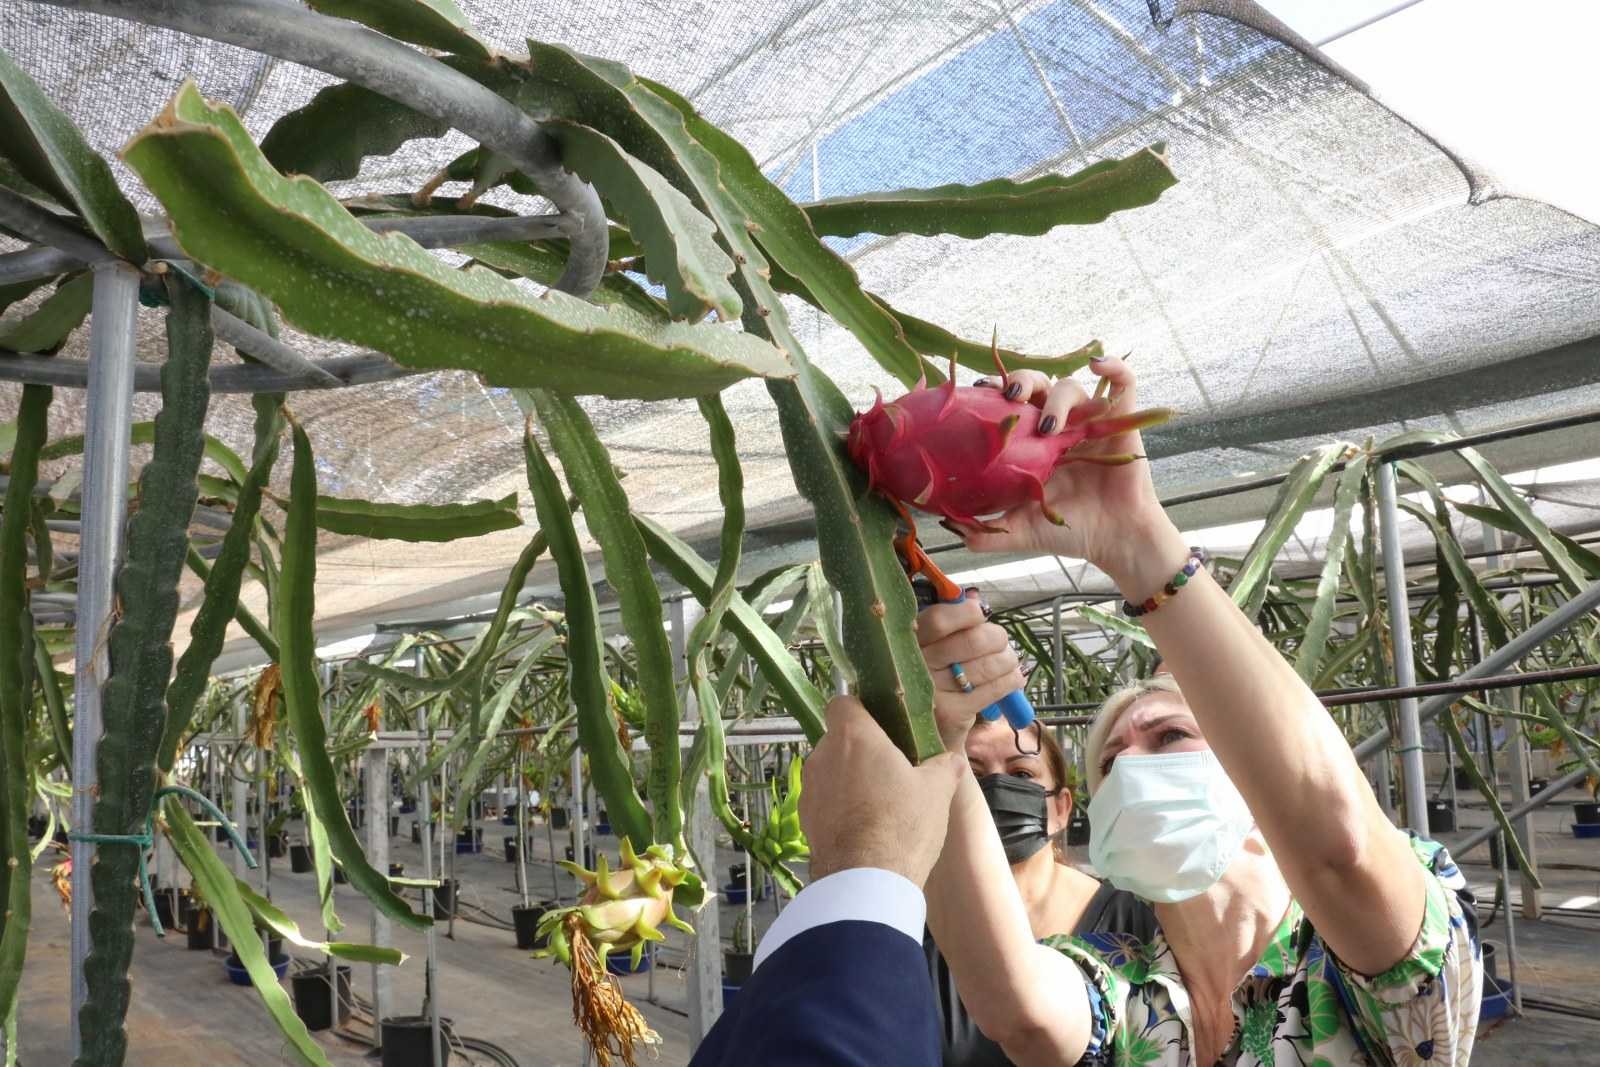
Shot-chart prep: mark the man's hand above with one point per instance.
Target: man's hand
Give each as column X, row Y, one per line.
column 957, row 633
column 862, row 804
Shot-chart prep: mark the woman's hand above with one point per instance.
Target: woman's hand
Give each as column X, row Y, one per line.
column 1111, row 510
column 958, row 633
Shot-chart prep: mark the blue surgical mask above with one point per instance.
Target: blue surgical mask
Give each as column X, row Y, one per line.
column 1165, row 827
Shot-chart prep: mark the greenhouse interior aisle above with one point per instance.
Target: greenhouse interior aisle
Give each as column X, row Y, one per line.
column 414, row 407
column 498, row 993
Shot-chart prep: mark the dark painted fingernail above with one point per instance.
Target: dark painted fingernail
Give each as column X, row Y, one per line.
column 1047, row 424
column 1013, row 390
column 983, row 383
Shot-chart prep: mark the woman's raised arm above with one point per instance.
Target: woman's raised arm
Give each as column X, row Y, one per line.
column 1351, row 870
column 1025, row 997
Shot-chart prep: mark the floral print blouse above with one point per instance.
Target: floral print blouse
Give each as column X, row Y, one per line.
column 1299, row 1006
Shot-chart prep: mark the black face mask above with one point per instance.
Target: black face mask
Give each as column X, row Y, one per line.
column 1020, row 811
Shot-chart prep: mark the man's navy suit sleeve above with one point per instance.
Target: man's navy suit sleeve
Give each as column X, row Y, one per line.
column 844, row 994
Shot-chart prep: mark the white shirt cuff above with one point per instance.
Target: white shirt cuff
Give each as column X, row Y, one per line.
column 864, row 894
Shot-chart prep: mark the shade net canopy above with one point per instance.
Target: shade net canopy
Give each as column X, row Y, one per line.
column 1321, row 270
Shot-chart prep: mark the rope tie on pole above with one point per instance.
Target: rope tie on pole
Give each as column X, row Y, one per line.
column 146, row 839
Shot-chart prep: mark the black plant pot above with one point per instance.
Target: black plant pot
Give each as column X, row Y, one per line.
column 416, row 833
column 300, row 859
column 470, row 840
column 37, row 825
column 511, row 849
column 276, row 846
column 201, row 928
column 736, row 872
column 1078, row 828
column 558, row 818
column 1441, row 819
column 164, row 911
column 222, row 833
column 408, row 1041
column 526, row 920
column 311, row 999
column 397, row 870
column 736, row 967
column 1463, row 780
column 338, row 876
column 394, row 826
column 588, row 855
column 1537, row 786
column 1489, row 962
column 444, row 898
column 1586, row 812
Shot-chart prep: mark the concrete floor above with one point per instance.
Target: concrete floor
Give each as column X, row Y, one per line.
column 182, row 1000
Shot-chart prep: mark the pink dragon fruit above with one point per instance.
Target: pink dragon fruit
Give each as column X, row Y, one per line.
column 964, row 452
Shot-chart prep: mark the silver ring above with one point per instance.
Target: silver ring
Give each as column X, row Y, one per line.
column 960, row 675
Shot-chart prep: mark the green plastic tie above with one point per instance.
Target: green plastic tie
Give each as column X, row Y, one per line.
column 146, row 840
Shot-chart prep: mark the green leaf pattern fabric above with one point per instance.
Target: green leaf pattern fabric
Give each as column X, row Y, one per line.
column 1299, row 1004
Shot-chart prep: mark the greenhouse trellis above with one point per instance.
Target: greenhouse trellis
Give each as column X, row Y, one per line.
column 1355, row 353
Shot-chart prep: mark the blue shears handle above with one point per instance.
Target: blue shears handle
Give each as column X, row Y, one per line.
column 1015, row 705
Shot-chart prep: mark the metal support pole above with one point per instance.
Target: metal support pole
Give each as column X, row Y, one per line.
column 705, row 956
column 105, row 506
column 330, row 961
column 1493, row 778
column 1057, row 688
column 1413, row 779
column 1516, row 753
column 575, row 821
column 425, row 812
column 375, row 761
column 239, row 797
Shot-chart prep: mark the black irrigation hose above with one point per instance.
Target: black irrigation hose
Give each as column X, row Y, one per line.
column 495, row 1052
column 1556, row 1008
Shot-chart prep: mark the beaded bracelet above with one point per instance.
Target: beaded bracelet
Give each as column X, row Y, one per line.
column 1197, row 559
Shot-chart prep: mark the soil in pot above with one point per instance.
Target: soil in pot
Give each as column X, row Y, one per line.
column 736, row 967
column 1586, row 812
column 300, row 859
column 444, row 897
column 526, row 921
column 408, row 1041
column 311, row 999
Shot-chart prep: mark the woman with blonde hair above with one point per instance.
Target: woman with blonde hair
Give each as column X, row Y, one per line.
column 1297, row 924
